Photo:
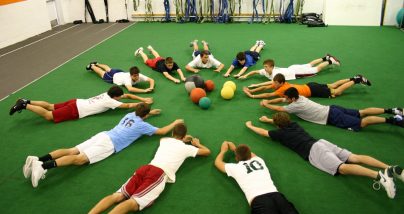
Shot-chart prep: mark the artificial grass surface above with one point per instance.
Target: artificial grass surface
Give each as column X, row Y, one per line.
column 200, row 188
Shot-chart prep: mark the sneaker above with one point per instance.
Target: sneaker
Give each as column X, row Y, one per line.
column 19, row 106
column 205, row 43
column 191, row 44
column 386, row 180
column 37, row 173
column 150, row 48
column 262, row 43
column 397, row 111
column 257, row 42
column 362, row 80
column 397, row 172
column 138, row 51
column 334, row 60
column 398, row 120
column 327, row 57
column 27, row 169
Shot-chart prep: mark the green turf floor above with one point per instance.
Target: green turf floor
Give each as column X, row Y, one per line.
column 374, row 52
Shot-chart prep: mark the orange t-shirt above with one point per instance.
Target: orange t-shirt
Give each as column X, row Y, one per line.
column 303, row 90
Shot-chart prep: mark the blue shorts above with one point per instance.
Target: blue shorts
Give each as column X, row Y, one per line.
column 255, row 55
column 344, row 118
column 109, row 76
column 196, row 53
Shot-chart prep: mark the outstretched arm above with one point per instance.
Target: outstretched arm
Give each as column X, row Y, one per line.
column 257, row 130
column 136, row 90
column 168, row 76
column 168, row 128
column 267, row 104
column 219, row 68
column 241, row 72
column 219, row 163
column 147, row 100
column 151, row 86
column 231, row 68
column 249, row 74
column 181, row 75
column 192, row 69
column 268, row 83
column 257, row 96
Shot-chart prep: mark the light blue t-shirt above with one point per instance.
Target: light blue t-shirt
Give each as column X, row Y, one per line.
column 129, row 129
column 249, row 61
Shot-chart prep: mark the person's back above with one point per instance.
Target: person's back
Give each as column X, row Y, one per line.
column 171, row 154
column 96, row 105
column 309, row 110
column 130, row 128
column 252, row 176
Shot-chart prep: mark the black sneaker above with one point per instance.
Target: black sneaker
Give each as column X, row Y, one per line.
column 397, row 111
column 398, row 120
column 365, row 81
column 19, row 106
column 88, row 67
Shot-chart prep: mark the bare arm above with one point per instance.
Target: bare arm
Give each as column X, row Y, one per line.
column 256, row 96
column 267, row 104
column 241, row 72
column 231, row 68
column 128, row 105
column 190, row 68
column 168, row 128
column 181, row 75
column 257, row 130
column 135, row 90
column 219, row 68
column 147, row 100
column 249, row 74
column 168, row 76
column 151, row 82
column 202, row 150
column 267, row 83
column 219, row 163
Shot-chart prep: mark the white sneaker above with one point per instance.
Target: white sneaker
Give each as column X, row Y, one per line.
column 398, row 111
column 37, row 173
column 150, row 48
column 262, row 43
column 334, row 60
column 138, row 51
column 387, row 182
column 27, row 169
column 258, row 42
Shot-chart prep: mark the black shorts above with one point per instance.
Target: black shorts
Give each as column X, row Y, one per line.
column 255, row 55
column 319, row 90
column 274, row 202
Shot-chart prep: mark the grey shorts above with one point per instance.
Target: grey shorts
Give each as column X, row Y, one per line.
column 327, row 156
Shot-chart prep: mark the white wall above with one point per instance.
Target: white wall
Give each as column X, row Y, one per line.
column 22, row 20
column 392, row 8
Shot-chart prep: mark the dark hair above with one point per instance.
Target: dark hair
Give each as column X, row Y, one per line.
column 243, row 152
column 281, row 119
column 142, row 109
column 269, row 62
column 204, row 52
column 279, row 78
column 291, row 93
column 134, row 70
column 179, row 131
column 240, row 56
column 169, row 60
column 115, row 91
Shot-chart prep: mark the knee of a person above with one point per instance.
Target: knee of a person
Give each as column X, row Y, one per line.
column 81, row 159
column 49, row 116
column 118, row 197
column 342, row 169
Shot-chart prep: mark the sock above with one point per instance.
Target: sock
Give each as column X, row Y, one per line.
column 390, row 120
column 397, row 170
column 324, row 58
column 49, row 164
column 45, row 158
column 356, row 80
column 388, row 110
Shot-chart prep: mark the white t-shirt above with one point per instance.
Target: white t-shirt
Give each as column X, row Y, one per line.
column 309, row 110
column 123, row 78
column 171, row 154
column 252, row 176
column 95, row 105
column 289, row 74
column 197, row 62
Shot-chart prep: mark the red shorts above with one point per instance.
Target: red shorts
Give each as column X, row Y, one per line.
column 152, row 62
column 142, row 181
column 65, row 111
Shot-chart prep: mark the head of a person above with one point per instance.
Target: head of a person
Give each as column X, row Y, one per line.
column 269, row 65
column 281, row 119
column 204, row 56
column 243, row 152
column 142, row 110
column 115, row 92
column 278, row 80
column 179, row 131
column 291, row 94
column 241, row 58
column 169, row 62
column 134, row 73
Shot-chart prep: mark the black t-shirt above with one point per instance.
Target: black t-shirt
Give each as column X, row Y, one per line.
column 295, row 138
column 161, row 67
